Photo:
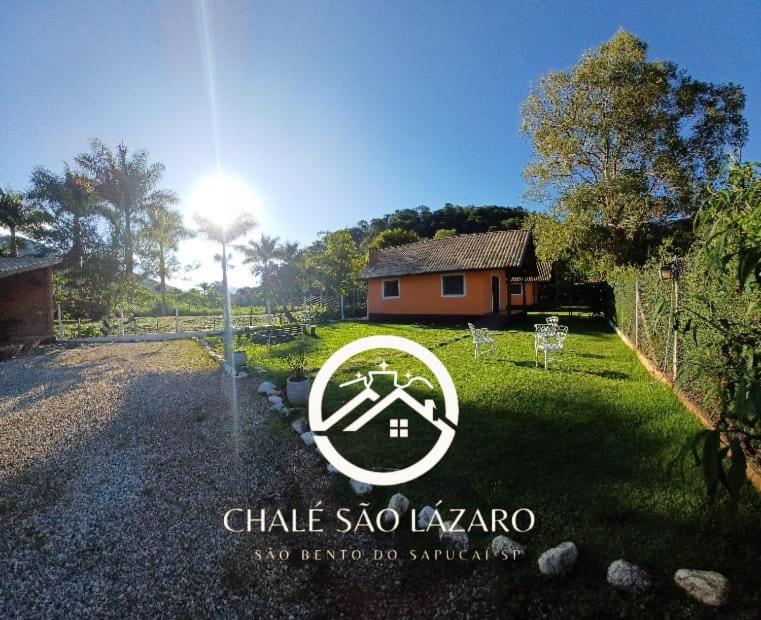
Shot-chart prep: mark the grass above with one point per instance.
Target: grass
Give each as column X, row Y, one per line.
column 586, row 445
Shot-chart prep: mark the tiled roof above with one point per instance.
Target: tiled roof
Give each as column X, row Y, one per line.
column 544, row 273
column 492, row 250
column 19, row 264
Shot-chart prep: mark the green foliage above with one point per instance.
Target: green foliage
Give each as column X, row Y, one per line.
column 392, row 237
column 338, row 262
column 20, row 215
column 718, row 322
column 622, row 145
column 444, row 233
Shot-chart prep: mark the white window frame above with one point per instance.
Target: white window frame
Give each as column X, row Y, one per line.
column 464, row 284
column 512, row 284
column 398, row 288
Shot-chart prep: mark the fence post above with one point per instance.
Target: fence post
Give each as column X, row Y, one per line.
column 60, row 322
column 177, row 320
column 343, row 315
column 675, row 357
column 636, row 312
column 79, row 323
column 121, row 321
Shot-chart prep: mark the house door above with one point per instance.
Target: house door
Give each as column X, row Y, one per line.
column 495, row 293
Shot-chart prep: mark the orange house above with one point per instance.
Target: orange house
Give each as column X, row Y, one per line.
column 456, row 279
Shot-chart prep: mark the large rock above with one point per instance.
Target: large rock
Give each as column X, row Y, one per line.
column 706, row 586
column 275, row 400
column 332, row 468
column 308, row 438
column 361, row 488
column 399, row 504
column 424, row 517
column 558, row 560
column 628, row 577
column 453, row 540
column 265, row 387
column 502, row 547
column 301, row 425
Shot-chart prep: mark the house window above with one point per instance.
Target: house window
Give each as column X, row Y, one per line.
column 516, row 288
column 397, row 428
column 390, row 289
column 453, row 285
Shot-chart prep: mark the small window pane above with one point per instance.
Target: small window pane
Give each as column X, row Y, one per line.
column 391, row 288
column 453, row 285
column 516, row 289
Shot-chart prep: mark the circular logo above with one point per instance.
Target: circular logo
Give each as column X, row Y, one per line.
column 445, row 423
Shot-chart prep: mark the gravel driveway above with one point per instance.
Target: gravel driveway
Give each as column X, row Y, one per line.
column 117, row 463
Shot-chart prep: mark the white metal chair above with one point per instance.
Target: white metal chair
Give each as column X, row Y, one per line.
column 481, row 338
column 550, row 340
column 552, row 320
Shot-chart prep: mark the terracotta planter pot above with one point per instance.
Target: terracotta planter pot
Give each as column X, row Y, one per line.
column 297, row 391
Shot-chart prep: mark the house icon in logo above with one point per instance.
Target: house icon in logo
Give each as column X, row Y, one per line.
column 398, row 427
column 325, row 424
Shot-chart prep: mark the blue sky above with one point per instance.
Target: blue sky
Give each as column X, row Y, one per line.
column 330, row 111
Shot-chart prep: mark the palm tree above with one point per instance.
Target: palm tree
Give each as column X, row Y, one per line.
column 129, row 183
column 74, row 205
column 19, row 215
column 262, row 254
column 224, row 234
column 160, row 239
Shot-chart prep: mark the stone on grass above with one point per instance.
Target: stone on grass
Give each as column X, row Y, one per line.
column 558, row 560
column 265, row 387
column 361, row 488
column 278, row 408
column 424, row 517
column 275, row 400
column 458, row 541
column 504, row 548
column 708, row 587
column 399, row 504
column 628, row 577
column 308, row 438
column 300, row 426
column 331, row 468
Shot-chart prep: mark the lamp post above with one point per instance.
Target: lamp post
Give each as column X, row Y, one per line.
column 227, row 329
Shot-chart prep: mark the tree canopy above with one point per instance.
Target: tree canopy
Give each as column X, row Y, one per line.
column 623, row 143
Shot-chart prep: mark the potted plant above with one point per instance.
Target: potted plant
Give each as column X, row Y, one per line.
column 297, row 384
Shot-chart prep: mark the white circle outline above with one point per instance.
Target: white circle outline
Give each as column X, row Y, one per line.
column 451, row 409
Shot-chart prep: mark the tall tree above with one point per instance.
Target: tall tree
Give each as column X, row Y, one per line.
column 74, row 206
column 262, row 254
column 20, row 215
column 337, row 262
column 158, row 243
column 392, row 237
column 130, row 183
column 622, row 142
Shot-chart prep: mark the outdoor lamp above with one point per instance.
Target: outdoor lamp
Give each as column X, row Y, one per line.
column 667, row 272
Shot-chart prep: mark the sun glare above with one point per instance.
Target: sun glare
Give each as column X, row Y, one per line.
column 220, row 197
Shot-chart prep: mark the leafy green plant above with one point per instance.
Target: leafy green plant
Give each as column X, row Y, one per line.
column 297, row 362
column 729, row 222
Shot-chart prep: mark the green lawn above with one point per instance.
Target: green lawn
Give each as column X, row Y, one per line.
column 585, row 445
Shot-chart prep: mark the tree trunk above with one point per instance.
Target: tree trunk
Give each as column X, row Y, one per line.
column 14, row 248
column 162, row 277
column 128, row 258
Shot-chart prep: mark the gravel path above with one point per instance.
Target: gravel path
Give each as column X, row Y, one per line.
column 117, row 463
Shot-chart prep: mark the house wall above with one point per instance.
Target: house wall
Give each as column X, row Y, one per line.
column 26, row 306
column 421, row 295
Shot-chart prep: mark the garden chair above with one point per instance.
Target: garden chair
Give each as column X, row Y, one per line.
column 481, row 338
column 550, row 340
column 552, row 320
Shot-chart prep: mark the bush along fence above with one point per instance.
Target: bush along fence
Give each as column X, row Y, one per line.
column 665, row 310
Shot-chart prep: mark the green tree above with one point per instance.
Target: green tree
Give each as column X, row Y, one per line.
column 338, row 263
column 393, row 237
column 20, row 215
column 263, row 255
column 158, row 243
column 444, row 233
column 129, row 182
column 623, row 143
